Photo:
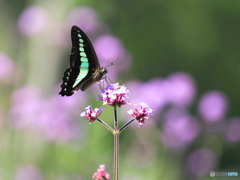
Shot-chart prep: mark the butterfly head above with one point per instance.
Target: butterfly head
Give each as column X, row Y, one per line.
column 104, row 70
column 101, row 73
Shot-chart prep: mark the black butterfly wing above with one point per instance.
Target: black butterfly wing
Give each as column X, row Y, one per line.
column 87, row 45
column 84, row 67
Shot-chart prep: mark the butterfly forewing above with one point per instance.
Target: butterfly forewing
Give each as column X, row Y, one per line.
column 82, row 44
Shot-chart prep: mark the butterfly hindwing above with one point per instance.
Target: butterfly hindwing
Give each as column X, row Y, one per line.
column 84, row 67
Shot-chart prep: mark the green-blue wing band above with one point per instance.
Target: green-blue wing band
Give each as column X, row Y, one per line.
column 84, row 59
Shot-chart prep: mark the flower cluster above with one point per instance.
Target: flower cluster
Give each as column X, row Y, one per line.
column 141, row 113
column 114, row 95
column 91, row 114
column 101, row 174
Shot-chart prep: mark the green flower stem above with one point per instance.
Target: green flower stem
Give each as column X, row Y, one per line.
column 116, row 133
column 106, row 125
column 125, row 125
column 115, row 119
column 116, row 155
column 116, row 146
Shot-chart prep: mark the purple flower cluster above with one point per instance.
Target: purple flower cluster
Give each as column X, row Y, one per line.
column 91, row 114
column 101, row 174
column 141, row 112
column 114, row 95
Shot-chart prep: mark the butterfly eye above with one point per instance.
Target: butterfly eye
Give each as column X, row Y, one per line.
column 104, row 71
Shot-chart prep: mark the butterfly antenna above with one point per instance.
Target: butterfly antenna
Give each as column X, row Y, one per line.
column 111, row 63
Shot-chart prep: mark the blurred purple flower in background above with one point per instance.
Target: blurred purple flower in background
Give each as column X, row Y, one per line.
column 201, row 162
column 233, row 130
column 30, row 110
column 28, row 172
column 84, row 17
column 57, row 126
column 27, row 106
column 109, row 50
column 7, row 69
column 178, row 89
column 32, row 20
column 181, row 89
column 152, row 93
column 179, row 128
column 213, row 106
column 70, row 105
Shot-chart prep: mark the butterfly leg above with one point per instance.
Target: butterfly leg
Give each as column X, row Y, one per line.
column 101, row 85
column 108, row 80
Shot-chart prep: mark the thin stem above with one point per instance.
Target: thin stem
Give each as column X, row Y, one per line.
column 106, row 125
column 115, row 119
column 116, row 155
column 116, row 146
column 125, row 125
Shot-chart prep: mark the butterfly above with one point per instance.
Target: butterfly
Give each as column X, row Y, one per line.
column 84, row 69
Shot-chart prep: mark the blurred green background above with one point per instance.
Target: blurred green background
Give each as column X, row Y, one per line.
column 199, row 38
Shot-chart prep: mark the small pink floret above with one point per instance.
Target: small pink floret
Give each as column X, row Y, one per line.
column 101, row 174
column 141, row 112
column 114, row 95
column 91, row 114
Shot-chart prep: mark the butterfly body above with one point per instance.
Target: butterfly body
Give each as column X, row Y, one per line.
column 84, row 67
